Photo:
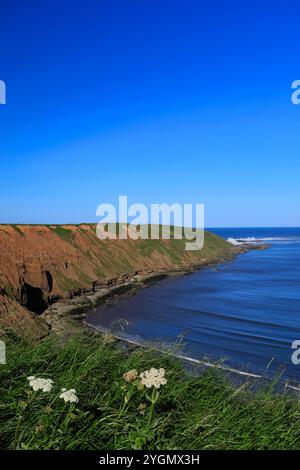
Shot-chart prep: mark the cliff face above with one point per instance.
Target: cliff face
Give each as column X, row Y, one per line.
column 38, row 263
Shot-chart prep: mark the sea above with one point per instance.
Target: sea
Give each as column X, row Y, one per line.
column 243, row 314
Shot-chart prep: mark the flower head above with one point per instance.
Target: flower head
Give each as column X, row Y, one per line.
column 130, row 376
column 38, row 383
column 153, row 378
column 69, row 395
column 142, row 408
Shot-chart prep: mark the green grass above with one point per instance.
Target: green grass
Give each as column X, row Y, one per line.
column 64, row 233
column 66, row 283
column 8, row 290
column 190, row 413
column 84, row 279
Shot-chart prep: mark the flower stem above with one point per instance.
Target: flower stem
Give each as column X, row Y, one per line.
column 153, row 401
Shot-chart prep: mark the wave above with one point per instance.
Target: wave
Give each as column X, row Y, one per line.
column 243, row 240
column 159, row 347
column 235, row 241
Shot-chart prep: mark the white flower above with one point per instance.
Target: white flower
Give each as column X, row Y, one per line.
column 69, row 395
column 37, row 383
column 153, row 378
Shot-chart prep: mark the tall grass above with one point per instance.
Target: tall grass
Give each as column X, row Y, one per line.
column 190, row 413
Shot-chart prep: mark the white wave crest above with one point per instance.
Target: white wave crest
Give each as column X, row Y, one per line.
column 241, row 241
column 233, row 241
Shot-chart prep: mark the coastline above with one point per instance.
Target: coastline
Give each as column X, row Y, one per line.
column 66, row 314
column 238, row 375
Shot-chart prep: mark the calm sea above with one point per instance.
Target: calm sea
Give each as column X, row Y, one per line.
column 246, row 311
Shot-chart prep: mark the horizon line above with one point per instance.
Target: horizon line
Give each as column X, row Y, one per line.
column 205, row 228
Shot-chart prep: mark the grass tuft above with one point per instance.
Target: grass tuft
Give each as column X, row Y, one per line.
column 64, row 233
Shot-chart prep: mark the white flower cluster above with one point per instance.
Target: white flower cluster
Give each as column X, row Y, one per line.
column 69, row 395
column 153, row 378
column 37, row 383
column 46, row 385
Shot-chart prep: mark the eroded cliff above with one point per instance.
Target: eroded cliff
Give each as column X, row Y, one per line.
column 39, row 263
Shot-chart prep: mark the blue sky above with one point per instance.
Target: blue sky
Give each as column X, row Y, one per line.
column 164, row 101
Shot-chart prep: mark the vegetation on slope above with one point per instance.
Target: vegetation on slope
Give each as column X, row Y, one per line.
column 39, row 263
column 190, row 413
column 74, row 256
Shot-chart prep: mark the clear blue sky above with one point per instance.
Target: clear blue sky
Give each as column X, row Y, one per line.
column 164, row 101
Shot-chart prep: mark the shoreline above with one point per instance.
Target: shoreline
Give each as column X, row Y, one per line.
column 66, row 313
column 231, row 371
column 66, row 316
